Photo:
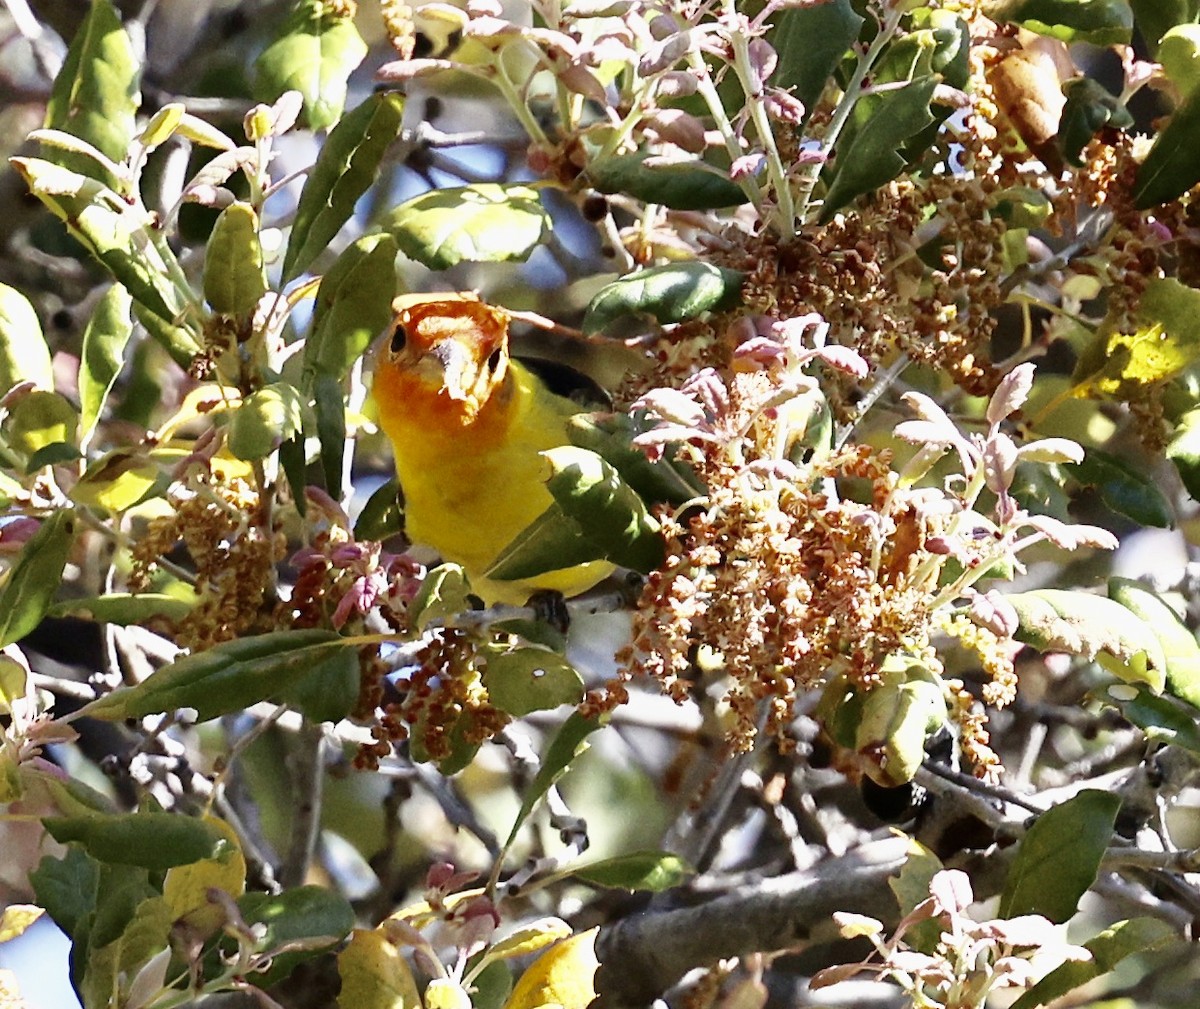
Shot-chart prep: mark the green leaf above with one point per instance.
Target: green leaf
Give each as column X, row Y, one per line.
column 443, row 594
column 265, row 419
column 1184, row 451
column 595, row 516
column 671, row 293
column 1161, row 718
column 1058, row 858
column 24, row 356
column 897, row 715
column 1134, row 936
column 124, row 608
column 521, row 680
column 233, row 675
column 1123, row 489
column 654, row 871
column 150, row 840
column 811, row 42
column 331, row 429
column 483, row 223
column 610, row 436
column 866, row 156
column 233, row 263
column 567, row 744
column 104, row 342
column 1170, row 167
column 1124, row 365
column 329, row 690
column 346, row 167
column 1179, row 54
column 1079, row 623
column 95, row 95
column 354, row 304
column 310, row 917
column 36, row 577
column 1090, row 108
column 116, row 233
column 113, row 966
column 316, row 54
column 1100, row 22
column 382, row 516
column 911, row 887
column 68, row 888
column 1154, row 17
column 680, row 186
column 39, row 419
column 1179, row 645
column 118, row 480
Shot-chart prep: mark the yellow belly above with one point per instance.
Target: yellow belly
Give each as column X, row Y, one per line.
column 469, row 490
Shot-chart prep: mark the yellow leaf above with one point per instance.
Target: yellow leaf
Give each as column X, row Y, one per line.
column 534, row 936
column 16, row 919
column 186, row 886
column 445, row 993
column 375, row 974
column 563, row 976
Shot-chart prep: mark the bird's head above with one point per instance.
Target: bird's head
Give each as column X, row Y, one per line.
column 447, row 354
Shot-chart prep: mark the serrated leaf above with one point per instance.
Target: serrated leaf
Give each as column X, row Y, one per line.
column 104, row 341
column 308, row 918
column 1134, row 936
column 671, row 293
column 866, row 157
column 95, row 95
column 680, row 186
column 36, row 577
column 562, row 976
column 315, row 56
column 375, row 974
column 482, row 223
column 24, row 355
column 521, row 680
column 567, row 744
column 654, row 871
column 150, row 840
column 1058, row 858
column 1179, row 644
column 233, row 263
column 595, row 516
column 1170, row 168
column 124, row 608
column 265, row 419
column 1100, row 22
column 345, row 169
column 811, row 42
column 354, row 304
column 236, row 674
column 1122, row 489
column 1161, row 718
column 1079, row 623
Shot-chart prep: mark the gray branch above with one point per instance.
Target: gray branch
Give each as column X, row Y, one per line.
column 643, row 955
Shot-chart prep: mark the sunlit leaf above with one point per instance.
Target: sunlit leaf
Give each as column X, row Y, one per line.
column 897, row 715
column 315, row 56
column 308, row 919
column 264, row 419
column 375, row 974
column 24, row 355
column 1179, row 646
column 104, row 341
column 1101, row 22
column 124, row 608
column 521, row 680
column 1161, row 718
column 654, row 871
column 186, row 886
column 667, row 293
column 679, row 185
column 562, row 976
column 16, row 918
column 485, row 222
column 1080, row 623
column 233, row 262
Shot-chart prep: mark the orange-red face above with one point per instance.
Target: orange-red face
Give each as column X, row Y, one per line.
column 447, row 355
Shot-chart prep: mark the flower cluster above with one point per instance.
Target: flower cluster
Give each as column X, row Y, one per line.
column 969, row 959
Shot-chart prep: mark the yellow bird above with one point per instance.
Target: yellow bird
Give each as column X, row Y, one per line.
column 466, row 423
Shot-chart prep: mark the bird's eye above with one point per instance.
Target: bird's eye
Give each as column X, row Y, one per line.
column 494, row 359
column 399, row 339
